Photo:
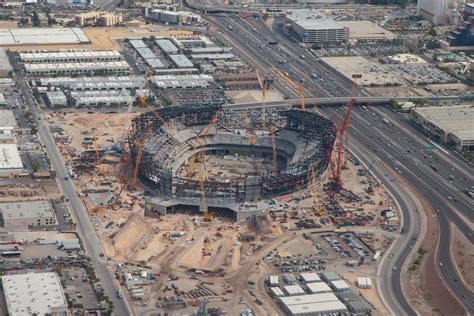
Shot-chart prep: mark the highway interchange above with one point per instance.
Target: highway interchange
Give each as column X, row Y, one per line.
column 399, row 146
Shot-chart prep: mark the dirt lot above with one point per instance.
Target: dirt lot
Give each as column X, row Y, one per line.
column 249, row 96
column 463, row 255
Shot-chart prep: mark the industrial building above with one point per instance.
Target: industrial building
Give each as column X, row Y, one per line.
column 102, row 98
column 95, row 83
column 5, row 65
column 310, row 26
column 167, row 46
column 98, row 18
column 182, row 81
column 78, row 68
column 10, row 161
column 451, row 124
column 309, row 277
column 339, row 285
column 147, row 54
column 174, row 17
column 225, row 56
column 27, row 214
column 318, row 287
column 56, row 99
column 7, row 121
column 34, row 294
column 435, row 11
column 181, row 61
column 293, row 290
column 69, row 56
column 42, row 36
column 313, row 304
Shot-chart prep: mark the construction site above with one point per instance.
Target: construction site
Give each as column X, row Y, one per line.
column 181, row 195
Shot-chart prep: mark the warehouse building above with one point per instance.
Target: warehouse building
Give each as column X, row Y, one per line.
column 451, row 124
column 27, row 214
column 95, row 83
column 209, row 50
column 294, row 290
column 7, row 121
column 273, row 280
column 68, row 69
column 340, row 286
column 276, row 292
column 147, row 54
column 329, row 276
column 308, row 299
column 5, row 65
column 364, row 283
column 309, row 277
column 34, row 294
column 71, row 56
column 56, row 99
column 10, row 161
column 224, row 56
column 317, row 309
column 181, row 61
column 42, row 36
column 310, row 26
column 182, row 81
column 112, row 100
column 167, row 46
column 318, row 287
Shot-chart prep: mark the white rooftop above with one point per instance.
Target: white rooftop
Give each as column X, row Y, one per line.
column 33, row 293
column 313, row 20
column 7, row 119
column 75, row 54
column 42, row 36
column 310, row 277
column 308, row 299
column 10, row 157
column 26, row 209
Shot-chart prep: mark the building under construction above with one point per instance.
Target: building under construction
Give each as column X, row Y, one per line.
column 167, row 139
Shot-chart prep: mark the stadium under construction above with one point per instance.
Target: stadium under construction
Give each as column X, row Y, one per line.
column 171, row 146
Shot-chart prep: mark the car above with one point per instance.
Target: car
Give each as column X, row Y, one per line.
column 391, row 255
column 440, row 264
column 394, row 269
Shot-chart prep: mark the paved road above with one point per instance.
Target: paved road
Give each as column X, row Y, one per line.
column 85, row 229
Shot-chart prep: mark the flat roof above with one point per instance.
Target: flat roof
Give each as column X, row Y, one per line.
column 26, row 209
column 181, row 61
column 309, row 298
column 367, row 30
column 313, row 20
column 213, row 56
column 42, row 36
column 318, row 287
column 138, row 44
column 26, row 56
column 166, row 45
column 293, row 289
column 310, row 277
column 10, row 157
column 457, row 119
column 323, row 307
column 7, row 119
column 33, row 293
column 75, row 66
column 5, row 61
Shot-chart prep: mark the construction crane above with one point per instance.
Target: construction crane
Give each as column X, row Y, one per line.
column 202, row 186
column 274, row 151
column 264, row 86
column 252, row 139
column 139, row 156
column 299, row 88
column 342, row 136
column 312, row 188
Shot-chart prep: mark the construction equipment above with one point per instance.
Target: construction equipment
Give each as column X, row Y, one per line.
column 341, row 138
column 139, row 156
column 264, row 86
column 299, row 88
column 274, row 151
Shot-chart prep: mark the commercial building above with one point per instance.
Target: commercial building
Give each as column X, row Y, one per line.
column 34, row 294
column 56, row 99
column 147, row 54
column 10, row 161
column 7, row 121
column 174, row 17
column 167, row 46
column 78, row 68
column 318, row 287
column 308, row 277
column 95, row 83
column 451, row 124
column 102, row 98
column 435, row 11
column 5, row 65
column 317, row 309
column 367, row 31
column 26, row 214
column 98, row 18
column 310, row 26
column 181, row 61
column 42, row 36
column 182, row 81
column 293, row 290
column 225, row 56
column 71, row 56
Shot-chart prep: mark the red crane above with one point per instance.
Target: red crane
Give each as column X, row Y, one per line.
column 342, row 136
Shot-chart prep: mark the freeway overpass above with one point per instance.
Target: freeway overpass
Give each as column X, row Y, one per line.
column 337, row 101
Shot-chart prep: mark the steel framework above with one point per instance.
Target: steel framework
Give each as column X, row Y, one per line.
column 162, row 150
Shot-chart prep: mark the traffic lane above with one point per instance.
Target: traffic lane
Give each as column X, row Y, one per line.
column 452, row 188
column 393, row 291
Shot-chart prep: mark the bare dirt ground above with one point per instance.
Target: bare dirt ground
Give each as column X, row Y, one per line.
column 463, row 255
column 249, row 96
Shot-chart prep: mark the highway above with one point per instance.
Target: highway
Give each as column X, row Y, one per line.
column 399, row 145
column 85, row 229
